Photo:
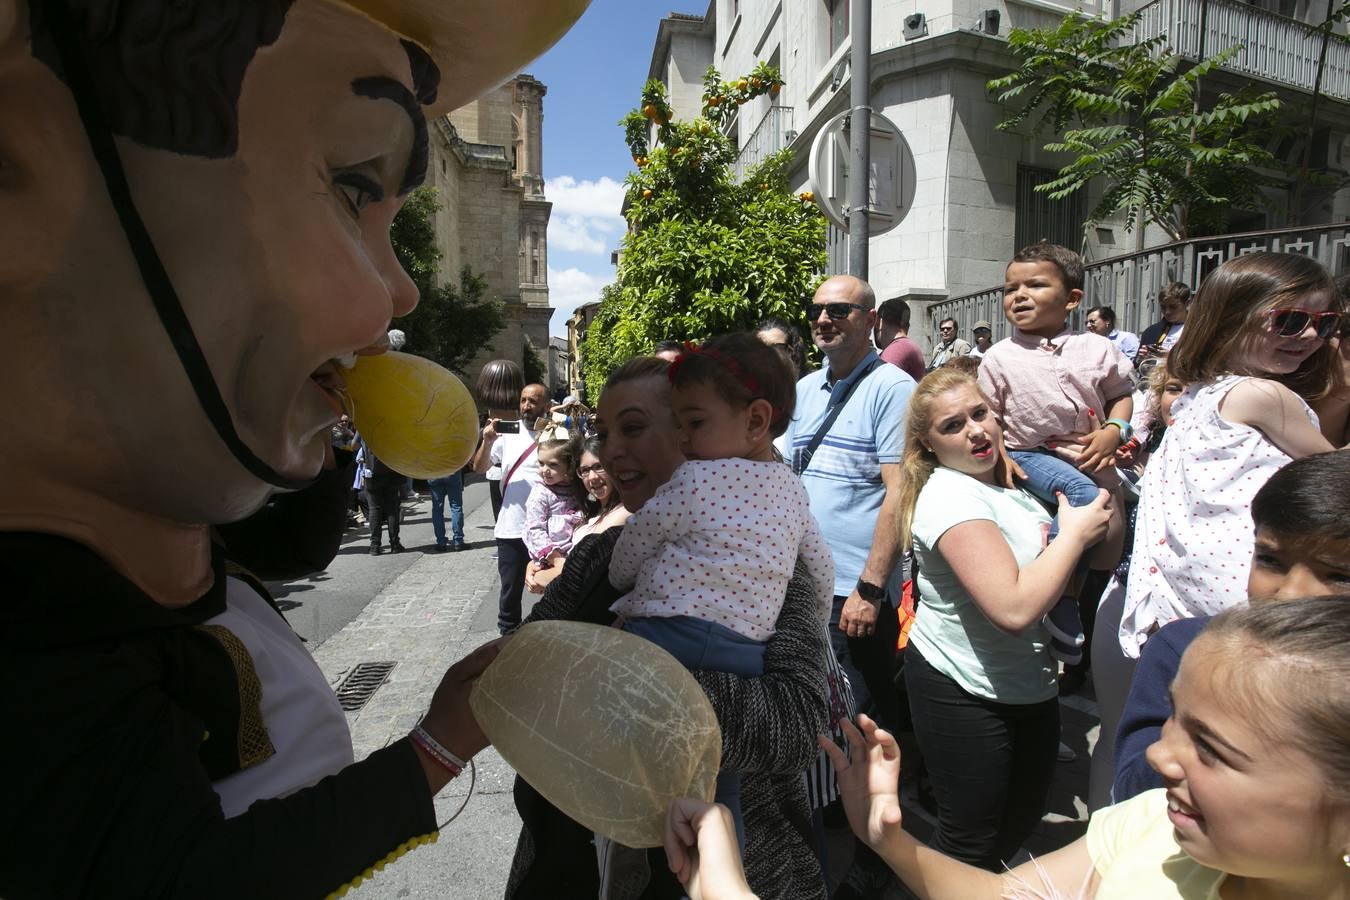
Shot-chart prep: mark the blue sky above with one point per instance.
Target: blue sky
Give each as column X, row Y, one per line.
column 594, row 77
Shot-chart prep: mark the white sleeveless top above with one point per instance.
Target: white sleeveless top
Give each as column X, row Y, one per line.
column 1193, row 535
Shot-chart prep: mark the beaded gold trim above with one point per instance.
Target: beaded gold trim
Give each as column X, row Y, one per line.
column 389, row 857
column 255, row 745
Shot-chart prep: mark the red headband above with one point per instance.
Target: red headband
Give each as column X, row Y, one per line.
column 747, row 381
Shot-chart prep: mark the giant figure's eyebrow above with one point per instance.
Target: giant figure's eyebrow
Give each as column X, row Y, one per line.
column 382, row 87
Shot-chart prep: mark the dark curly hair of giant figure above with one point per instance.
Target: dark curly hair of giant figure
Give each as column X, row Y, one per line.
column 168, row 73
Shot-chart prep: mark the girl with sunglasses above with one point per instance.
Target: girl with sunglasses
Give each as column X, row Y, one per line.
column 1254, row 352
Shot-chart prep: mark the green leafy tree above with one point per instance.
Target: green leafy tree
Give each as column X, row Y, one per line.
column 452, row 322
column 705, row 254
column 1128, row 114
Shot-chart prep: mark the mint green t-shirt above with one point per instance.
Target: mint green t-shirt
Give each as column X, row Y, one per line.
column 951, row 632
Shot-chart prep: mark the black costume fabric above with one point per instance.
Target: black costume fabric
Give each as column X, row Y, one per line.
column 298, row 533
column 120, row 715
column 769, row 727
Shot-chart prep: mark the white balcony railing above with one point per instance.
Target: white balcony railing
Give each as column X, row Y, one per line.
column 1130, row 284
column 769, row 136
column 1273, row 48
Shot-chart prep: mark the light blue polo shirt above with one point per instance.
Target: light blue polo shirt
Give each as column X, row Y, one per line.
column 843, row 479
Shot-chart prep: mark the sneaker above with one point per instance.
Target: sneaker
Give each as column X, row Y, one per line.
column 442, row 548
column 396, row 547
column 374, row 549
column 457, row 546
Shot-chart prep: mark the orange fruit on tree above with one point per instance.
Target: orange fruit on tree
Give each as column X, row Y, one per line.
column 647, row 194
column 649, row 111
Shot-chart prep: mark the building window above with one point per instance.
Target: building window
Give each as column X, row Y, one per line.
column 1040, row 218
column 836, row 12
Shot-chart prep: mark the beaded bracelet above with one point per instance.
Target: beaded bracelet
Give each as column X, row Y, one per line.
column 433, row 748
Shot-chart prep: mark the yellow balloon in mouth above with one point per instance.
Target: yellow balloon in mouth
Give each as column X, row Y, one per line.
column 413, row 414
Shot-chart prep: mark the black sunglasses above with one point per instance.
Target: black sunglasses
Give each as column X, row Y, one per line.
column 833, row 310
column 1290, row 321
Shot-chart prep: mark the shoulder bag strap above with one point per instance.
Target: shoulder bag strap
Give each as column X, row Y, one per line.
column 528, row 450
column 801, row 461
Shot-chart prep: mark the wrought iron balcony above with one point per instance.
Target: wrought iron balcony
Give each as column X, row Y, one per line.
column 769, row 136
column 1274, row 48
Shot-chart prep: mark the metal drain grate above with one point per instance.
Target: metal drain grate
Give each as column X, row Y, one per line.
column 361, row 684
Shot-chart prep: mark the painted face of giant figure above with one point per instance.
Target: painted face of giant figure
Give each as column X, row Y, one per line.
column 266, row 156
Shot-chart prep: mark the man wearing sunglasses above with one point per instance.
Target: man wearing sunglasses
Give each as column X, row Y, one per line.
column 950, row 346
column 845, row 442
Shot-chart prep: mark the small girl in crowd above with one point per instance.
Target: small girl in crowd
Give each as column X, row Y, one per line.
column 554, row 509
column 1255, row 766
column 706, row 561
column 1254, row 351
column 1302, row 550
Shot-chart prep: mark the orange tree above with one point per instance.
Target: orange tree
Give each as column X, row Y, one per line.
column 705, row 254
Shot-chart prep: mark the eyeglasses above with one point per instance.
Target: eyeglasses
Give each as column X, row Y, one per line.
column 591, row 470
column 835, row 311
column 1291, row 322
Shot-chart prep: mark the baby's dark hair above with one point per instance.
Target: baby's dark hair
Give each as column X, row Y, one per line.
column 1309, row 498
column 1069, row 263
column 742, row 368
column 569, row 451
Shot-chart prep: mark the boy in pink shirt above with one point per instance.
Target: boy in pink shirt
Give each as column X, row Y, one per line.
column 1065, row 399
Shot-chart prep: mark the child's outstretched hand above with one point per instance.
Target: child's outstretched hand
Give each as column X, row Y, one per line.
column 869, row 779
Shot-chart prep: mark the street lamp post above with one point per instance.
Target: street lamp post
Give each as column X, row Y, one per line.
column 860, row 130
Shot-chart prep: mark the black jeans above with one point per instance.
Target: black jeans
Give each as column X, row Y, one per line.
column 512, row 558
column 869, row 662
column 991, row 764
column 384, row 510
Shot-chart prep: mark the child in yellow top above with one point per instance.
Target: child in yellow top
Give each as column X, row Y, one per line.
column 1256, row 771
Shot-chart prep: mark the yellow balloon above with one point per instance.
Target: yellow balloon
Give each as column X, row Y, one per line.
column 608, row 727
column 413, row 414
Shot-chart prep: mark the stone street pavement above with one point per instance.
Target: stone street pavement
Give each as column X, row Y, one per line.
column 439, row 608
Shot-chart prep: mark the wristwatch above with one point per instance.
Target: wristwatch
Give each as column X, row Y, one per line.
column 1126, row 429
column 872, row 593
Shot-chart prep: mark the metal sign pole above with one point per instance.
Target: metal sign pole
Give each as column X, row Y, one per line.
column 860, row 132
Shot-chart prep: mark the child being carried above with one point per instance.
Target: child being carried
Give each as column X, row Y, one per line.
column 707, row 560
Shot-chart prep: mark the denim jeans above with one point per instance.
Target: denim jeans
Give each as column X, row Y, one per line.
column 699, row 644
column 451, row 487
column 1048, row 473
column 991, row 764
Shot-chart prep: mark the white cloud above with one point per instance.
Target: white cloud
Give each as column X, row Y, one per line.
column 585, row 216
column 568, row 289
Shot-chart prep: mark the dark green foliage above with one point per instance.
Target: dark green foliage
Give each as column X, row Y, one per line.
column 1127, row 113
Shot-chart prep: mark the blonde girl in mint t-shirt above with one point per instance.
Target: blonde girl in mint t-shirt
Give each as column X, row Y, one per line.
column 979, row 675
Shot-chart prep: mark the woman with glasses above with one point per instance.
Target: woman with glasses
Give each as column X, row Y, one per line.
column 602, row 504
column 1255, row 350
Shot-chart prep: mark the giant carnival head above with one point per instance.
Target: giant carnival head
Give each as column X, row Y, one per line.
column 195, row 201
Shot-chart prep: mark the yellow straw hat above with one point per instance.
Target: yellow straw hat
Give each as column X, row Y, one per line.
column 477, row 44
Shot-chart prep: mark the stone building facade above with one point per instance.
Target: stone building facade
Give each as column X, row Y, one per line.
column 486, row 162
column 973, row 201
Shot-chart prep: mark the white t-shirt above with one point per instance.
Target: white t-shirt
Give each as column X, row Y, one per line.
column 307, row 727
column 505, row 451
column 950, row 630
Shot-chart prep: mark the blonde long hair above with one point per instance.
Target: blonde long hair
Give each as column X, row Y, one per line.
column 917, row 463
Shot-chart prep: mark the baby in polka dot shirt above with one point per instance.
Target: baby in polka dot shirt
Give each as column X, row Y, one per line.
column 707, row 560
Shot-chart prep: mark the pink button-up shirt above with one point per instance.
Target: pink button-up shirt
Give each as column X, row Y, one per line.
column 1043, row 388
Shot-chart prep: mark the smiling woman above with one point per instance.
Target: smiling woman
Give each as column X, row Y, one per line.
column 196, row 221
